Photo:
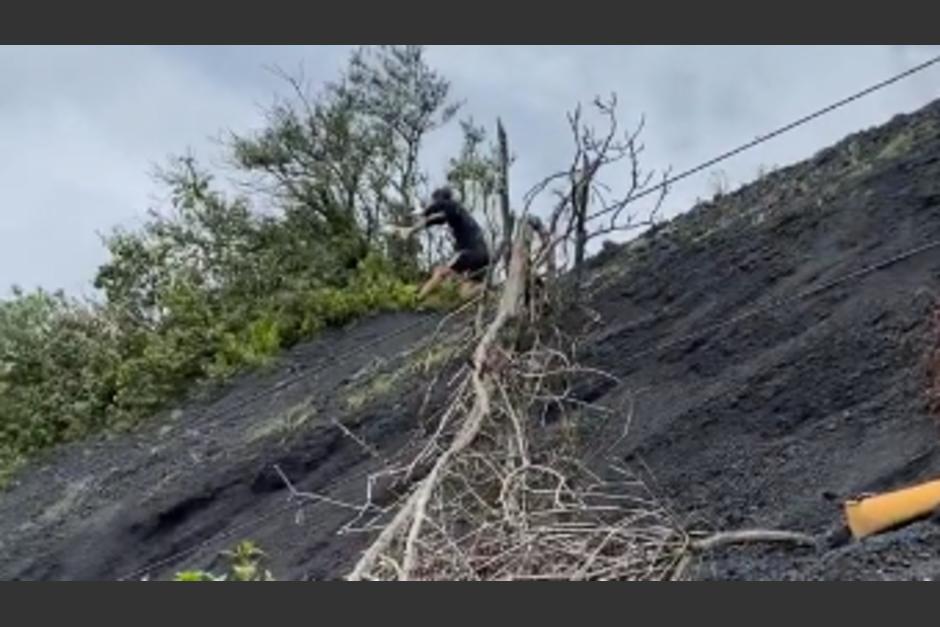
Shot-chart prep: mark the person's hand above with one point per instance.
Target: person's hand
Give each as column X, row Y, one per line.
column 403, row 232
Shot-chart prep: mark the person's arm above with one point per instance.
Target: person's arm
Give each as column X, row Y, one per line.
column 432, row 216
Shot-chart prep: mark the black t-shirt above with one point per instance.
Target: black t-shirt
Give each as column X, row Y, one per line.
column 467, row 233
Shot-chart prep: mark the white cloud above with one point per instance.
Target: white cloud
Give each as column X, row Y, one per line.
column 80, row 128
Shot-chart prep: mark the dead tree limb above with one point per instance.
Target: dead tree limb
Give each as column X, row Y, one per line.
column 744, row 536
column 504, row 207
column 412, row 514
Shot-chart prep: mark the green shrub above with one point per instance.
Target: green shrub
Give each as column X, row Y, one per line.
column 69, row 369
column 209, row 286
column 245, row 564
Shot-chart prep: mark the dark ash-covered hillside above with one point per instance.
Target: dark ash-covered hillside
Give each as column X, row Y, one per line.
column 757, row 401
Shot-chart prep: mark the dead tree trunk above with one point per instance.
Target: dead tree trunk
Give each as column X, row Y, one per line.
column 580, row 199
column 408, row 522
column 507, row 216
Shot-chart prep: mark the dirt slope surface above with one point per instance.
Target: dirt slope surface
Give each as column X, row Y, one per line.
column 795, row 403
column 754, row 406
column 110, row 509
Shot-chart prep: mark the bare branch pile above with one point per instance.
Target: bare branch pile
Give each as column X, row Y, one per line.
column 500, row 490
column 497, row 500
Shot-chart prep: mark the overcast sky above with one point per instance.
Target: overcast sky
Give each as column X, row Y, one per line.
column 81, row 128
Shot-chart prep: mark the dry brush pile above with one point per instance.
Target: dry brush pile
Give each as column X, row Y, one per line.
column 496, row 494
column 500, row 490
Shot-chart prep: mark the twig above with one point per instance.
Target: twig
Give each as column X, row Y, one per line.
column 312, row 496
column 744, row 536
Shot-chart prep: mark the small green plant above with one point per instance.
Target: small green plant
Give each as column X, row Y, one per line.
column 245, row 564
column 197, row 575
column 246, row 560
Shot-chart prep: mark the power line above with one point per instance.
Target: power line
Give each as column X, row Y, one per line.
column 783, row 129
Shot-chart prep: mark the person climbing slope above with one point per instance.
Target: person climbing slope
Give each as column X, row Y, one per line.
column 472, row 256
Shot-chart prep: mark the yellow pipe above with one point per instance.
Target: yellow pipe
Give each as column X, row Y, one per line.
column 872, row 514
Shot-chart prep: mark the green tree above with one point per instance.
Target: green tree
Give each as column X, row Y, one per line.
column 210, row 284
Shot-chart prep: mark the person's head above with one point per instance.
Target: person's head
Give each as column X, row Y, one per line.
column 442, row 194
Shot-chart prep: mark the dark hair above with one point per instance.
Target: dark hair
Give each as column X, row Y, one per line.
column 442, row 194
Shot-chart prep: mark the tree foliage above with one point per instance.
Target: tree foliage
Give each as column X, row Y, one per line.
column 210, row 284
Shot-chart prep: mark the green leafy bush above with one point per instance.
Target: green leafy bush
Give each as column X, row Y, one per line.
column 210, row 285
column 69, row 369
column 245, row 564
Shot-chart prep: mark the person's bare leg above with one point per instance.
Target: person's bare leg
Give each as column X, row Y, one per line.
column 437, row 277
column 469, row 289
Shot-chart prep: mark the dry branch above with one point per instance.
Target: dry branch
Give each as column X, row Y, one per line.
column 413, row 513
column 499, row 494
column 744, row 536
